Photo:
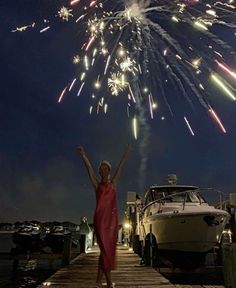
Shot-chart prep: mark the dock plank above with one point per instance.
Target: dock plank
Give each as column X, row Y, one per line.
column 81, row 273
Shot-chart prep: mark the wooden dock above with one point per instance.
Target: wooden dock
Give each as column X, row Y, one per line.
column 81, row 273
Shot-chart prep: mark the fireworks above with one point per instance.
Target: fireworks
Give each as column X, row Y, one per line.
column 223, row 87
column 139, row 48
column 62, row 95
column 23, row 28
column 135, row 128
column 143, row 47
column 76, row 59
column 117, row 83
column 65, row 13
column 189, row 127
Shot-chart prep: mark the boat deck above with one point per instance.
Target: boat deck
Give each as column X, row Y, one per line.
column 81, row 273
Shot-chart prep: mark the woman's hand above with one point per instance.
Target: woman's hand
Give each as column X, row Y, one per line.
column 80, row 149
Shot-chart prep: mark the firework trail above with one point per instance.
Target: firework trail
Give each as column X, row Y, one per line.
column 138, row 48
column 149, row 43
column 143, row 144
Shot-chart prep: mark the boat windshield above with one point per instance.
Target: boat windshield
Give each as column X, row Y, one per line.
column 174, row 194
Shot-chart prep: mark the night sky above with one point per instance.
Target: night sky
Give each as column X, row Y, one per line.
column 42, row 176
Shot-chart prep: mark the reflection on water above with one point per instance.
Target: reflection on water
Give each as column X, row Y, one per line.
column 29, row 273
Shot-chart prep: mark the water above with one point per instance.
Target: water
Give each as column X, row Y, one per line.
column 29, row 273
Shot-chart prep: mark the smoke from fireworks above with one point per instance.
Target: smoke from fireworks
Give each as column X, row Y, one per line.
column 151, row 43
column 134, row 44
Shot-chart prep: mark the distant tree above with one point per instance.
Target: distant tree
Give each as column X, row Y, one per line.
column 5, row 224
column 56, row 223
column 36, row 222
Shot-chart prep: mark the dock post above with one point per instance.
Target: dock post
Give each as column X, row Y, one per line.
column 151, row 252
column 83, row 239
column 142, row 253
column 67, row 250
column 229, row 264
column 15, row 264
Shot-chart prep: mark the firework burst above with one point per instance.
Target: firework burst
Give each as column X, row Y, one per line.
column 152, row 43
column 133, row 44
column 65, row 13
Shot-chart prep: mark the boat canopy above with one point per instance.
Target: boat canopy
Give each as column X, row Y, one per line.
column 173, row 194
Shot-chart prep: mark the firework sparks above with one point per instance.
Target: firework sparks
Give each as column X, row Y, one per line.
column 223, row 87
column 76, row 59
column 139, row 52
column 23, row 28
column 135, row 128
column 217, row 120
column 74, row 2
column 117, row 83
column 225, row 68
column 80, row 89
column 72, row 84
column 62, row 95
column 44, row 29
column 130, row 61
column 189, row 127
column 65, row 13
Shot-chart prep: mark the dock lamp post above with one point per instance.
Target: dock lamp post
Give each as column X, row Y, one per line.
column 131, row 216
column 127, row 227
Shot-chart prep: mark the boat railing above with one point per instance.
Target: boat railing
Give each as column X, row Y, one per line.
column 221, row 203
column 201, row 199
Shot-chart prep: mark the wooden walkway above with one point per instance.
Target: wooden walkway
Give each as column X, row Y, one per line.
column 81, row 273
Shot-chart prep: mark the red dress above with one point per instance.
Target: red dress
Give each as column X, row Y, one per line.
column 106, row 224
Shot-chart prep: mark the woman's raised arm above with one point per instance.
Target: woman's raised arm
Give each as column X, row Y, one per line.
column 88, row 166
column 116, row 176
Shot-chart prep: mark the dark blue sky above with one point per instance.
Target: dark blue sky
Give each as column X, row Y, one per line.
column 42, row 177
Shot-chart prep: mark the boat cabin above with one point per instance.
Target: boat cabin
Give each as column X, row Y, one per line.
column 172, row 193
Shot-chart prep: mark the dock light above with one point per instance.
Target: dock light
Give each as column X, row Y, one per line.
column 95, row 243
column 127, row 225
column 130, row 249
column 47, row 284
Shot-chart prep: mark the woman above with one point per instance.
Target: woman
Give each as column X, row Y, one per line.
column 106, row 215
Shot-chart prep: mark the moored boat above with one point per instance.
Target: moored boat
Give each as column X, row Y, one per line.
column 180, row 224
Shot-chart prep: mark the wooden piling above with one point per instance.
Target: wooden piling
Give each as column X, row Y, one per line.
column 229, row 264
column 66, row 255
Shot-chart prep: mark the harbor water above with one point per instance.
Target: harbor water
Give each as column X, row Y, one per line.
column 29, row 273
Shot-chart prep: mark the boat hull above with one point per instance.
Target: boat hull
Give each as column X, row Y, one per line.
column 189, row 232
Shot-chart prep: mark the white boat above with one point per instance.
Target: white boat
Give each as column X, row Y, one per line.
column 181, row 222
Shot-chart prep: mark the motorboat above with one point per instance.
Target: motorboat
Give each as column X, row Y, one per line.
column 55, row 238
column 27, row 238
column 180, row 224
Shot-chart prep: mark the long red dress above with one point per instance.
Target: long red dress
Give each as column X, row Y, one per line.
column 106, row 224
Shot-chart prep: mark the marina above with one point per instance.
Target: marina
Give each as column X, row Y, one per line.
column 117, row 153
column 79, row 269
column 171, row 237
